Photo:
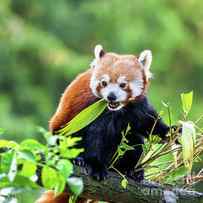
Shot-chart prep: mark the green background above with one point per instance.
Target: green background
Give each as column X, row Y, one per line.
column 45, row 44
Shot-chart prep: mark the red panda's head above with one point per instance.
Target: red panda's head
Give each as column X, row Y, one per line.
column 120, row 78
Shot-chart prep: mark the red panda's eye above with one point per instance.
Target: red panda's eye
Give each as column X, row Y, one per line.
column 104, row 83
column 123, row 85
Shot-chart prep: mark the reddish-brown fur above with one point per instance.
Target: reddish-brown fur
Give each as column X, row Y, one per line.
column 116, row 65
column 49, row 197
column 76, row 97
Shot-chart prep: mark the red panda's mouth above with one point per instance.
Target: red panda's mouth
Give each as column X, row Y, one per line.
column 114, row 106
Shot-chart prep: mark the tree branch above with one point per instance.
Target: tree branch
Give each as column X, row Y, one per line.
column 110, row 190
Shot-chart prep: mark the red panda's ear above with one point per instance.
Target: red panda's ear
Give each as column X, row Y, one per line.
column 99, row 51
column 145, row 59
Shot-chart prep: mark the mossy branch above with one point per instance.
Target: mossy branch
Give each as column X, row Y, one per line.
column 111, row 190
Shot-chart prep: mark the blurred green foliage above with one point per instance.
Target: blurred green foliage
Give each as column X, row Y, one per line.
column 44, row 44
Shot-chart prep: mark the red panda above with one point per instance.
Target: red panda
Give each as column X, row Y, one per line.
column 122, row 80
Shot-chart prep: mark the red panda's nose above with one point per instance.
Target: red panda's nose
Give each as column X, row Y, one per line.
column 111, row 97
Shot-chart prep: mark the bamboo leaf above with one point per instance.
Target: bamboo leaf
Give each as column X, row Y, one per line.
column 84, row 118
column 186, row 99
column 188, row 139
column 155, row 149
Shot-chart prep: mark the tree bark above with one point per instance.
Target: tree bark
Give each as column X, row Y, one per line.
column 110, row 190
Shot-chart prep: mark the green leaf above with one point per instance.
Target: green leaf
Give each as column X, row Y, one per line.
column 6, row 160
column 52, row 140
column 19, row 182
column 28, row 169
column 49, row 177
column 186, row 99
column 155, row 149
column 60, row 185
column 120, row 152
column 4, row 181
column 67, row 142
column 27, row 155
column 65, row 168
column 163, row 161
column 76, row 185
column 165, row 104
column 127, row 129
column 24, row 182
column 13, row 168
column 46, row 134
column 124, row 183
column 32, row 145
column 71, row 141
column 84, row 118
column 70, row 153
column 126, row 147
column 123, row 148
column 188, row 139
column 8, row 144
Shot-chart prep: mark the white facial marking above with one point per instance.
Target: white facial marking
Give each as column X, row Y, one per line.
column 136, row 87
column 94, row 84
column 120, row 94
column 105, row 78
